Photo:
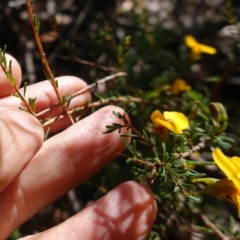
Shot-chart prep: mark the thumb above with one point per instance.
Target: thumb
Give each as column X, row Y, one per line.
column 21, row 136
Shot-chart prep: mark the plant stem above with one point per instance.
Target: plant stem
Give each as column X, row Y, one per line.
column 45, row 62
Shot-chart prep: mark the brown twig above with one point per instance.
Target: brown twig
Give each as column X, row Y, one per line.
column 90, row 105
column 192, row 150
column 217, row 232
column 145, row 163
column 101, row 81
column 104, row 80
column 90, row 64
column 114, row 100
column 45, row 61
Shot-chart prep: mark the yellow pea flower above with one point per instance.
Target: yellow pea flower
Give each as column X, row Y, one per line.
column 230, row 166
column 228, row 188
column 198, row 48
column 218, row 188
column 179, row 86
column 223, row 189
column 173, row 121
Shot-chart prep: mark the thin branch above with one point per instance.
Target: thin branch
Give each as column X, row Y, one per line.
column 114, row 100
column 44, row 60
column 217, row 232
column 90, row 64
column 101, row 81
column 192, row 150
column 145, row 163
column 95, row 84
column 139, row 135
column 90, row 105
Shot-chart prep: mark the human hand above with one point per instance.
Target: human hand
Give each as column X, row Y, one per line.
column 34, row 173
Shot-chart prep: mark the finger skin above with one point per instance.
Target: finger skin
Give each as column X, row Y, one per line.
column 5, row 86
column 21, row 137
column 45, row 97
column 63, row 162
column 127, row 212
column 118, row 215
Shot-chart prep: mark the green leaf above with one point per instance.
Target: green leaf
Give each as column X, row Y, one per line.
column 11, row 79
column 56, row 82
column 36, row 23
column 10, row 67
column 31, row 102
column 69, row 98
column 63, row 100
column 134, row 146
column 4, row 49
column 118, row 115
column 181, row 144
column 127, row 40
column 195, row 199
column 4, row 60
column 127, row 145
column 179, row 161
column 212, row 79
column 120, row 50
column 155, row 151
column 1, row 55
column 199, row 163
column 129, row 160
column 78, row 109
column 16, row 95
column 24, row 109
column 112, row 128
column 164, row 150
column 145, row 135
column 16, row 234
column 129, row 135
column 98, row 96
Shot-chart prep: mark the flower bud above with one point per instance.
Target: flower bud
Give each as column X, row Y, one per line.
column 218, row 115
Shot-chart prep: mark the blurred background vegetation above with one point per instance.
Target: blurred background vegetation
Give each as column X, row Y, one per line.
column 145, row 39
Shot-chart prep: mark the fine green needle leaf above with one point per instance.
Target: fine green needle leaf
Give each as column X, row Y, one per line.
column 24, row 88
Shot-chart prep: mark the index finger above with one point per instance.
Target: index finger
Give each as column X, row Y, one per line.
column 5, row 87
